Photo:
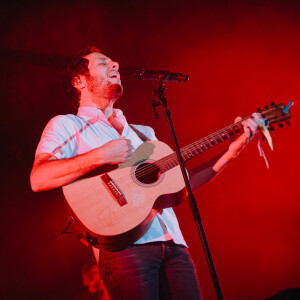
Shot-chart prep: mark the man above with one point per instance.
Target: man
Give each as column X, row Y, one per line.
column 158, row 264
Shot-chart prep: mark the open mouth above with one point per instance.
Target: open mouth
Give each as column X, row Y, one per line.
column 114, row 75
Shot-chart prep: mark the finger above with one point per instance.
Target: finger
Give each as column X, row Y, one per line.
column 129, row 155
column 257, row 116
column 247, row 131
column 237, row 119
column 251, row 124
column 259, row 119
column 255, row 125
column 252, row 129
column 249, row 121
column 128, row 148
column 128, row 142
column 254, row 122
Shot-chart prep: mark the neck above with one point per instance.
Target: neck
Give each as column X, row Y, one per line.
column 101, row 103
column 108, row 110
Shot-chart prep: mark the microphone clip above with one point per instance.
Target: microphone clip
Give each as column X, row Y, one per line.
column 154, row 104
column 160, row 94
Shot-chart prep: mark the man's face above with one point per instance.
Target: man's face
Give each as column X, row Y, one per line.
column 104, row 79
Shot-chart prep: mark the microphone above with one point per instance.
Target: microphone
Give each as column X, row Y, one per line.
column 165, row 76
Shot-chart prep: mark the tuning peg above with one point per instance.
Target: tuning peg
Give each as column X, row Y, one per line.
column 280, row 125
column 271, row 128
column 272, row 103
column 286, row 109
column 266, row 107
column 288, row 123
column 259, row 110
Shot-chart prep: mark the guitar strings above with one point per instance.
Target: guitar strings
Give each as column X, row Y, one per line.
column 172, row 158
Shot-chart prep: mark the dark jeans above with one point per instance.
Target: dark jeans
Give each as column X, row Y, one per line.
column 160, row 270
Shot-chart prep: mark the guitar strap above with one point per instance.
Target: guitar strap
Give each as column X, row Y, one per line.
column 139, row 134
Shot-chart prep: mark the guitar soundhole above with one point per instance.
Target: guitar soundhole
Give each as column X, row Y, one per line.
column 147, row 173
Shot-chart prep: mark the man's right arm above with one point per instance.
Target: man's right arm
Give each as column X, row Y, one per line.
column 49, row 173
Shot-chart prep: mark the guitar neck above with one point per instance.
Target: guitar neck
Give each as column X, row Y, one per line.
column 190, row 151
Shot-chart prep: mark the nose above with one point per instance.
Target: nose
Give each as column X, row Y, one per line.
column 114, row 65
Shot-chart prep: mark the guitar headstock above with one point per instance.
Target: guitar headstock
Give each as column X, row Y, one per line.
column 276, row 113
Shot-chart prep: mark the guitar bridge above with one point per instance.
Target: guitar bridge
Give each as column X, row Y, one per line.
column 114, row 190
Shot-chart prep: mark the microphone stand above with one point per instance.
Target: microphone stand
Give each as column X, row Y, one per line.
column 160, row 93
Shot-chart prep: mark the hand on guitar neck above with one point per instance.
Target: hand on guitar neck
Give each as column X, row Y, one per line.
column 251, row 126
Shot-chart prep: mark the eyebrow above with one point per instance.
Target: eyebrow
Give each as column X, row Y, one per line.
column 103, row 58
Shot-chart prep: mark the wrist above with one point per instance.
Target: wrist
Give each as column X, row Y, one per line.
column 236, row 147
column 96, row 158
column 225, row 159
column 232, row 152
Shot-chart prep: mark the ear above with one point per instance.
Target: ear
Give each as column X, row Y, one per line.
column 79, row 82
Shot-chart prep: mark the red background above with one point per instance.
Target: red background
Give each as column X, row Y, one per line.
column 239, row 56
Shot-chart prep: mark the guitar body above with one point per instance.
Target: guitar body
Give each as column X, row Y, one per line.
column 118, row 223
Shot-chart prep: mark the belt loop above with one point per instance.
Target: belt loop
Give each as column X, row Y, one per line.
column 163, row 250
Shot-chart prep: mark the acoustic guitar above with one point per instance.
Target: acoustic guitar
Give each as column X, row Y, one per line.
column 114, row 209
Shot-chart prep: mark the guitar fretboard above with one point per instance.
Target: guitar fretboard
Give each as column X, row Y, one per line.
column 190, row 151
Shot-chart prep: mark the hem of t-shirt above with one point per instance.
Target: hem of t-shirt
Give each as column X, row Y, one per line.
column 162, row 241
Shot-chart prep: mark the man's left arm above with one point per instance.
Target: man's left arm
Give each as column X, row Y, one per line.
column 202, row 174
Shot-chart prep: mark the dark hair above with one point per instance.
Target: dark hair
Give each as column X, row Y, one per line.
column 77, row 66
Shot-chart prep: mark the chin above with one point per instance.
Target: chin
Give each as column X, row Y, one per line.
column 116, row 90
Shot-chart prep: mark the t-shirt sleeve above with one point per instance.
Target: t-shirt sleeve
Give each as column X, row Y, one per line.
column 57, row 138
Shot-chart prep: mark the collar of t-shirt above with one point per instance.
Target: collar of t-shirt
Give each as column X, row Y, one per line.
column 96, row 113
